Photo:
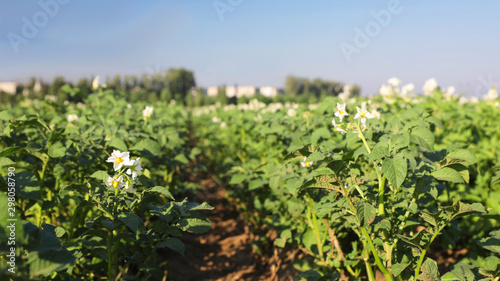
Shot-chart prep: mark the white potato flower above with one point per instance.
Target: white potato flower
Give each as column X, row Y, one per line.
column 337, row 127
column 306, row 164
column 407, row 89
column 72, row 117
column 129, row 187
column 375, row 114
column 429, row 86
column 95, row 83
column 148, row 111
column 119, row 159
column 394, row 81
column 492, row 94
column 136, row 168
column 115, row 183
column 385, row 90
column 340, row 111
column 363, row 114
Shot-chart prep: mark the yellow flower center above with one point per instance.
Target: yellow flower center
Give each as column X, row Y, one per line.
column 115, row 184
column 119, row 160
column 148, row 115
column 341, row 111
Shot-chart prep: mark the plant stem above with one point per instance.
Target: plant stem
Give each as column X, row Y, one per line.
column 313, row 222
column 111, row 275
column 387, row 274
column 422, row 255
column 369, row 270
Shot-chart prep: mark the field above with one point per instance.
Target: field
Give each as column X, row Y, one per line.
column 393, row 187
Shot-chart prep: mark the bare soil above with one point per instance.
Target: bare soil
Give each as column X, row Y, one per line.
column 225, row 252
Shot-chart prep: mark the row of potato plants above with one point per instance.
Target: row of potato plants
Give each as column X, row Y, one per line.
column 378, row 188
column 96, row 185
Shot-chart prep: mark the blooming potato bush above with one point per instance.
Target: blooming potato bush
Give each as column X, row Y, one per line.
column 95, row 194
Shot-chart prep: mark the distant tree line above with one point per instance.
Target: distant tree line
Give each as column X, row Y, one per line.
column 178, row 84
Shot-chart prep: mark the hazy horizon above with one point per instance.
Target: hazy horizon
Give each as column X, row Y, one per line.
column 256, row 43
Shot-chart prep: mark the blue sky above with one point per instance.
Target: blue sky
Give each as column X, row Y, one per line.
column 256, row 42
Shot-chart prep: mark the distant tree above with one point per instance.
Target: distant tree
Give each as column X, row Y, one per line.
column 165, row 95
column 115, row 83
column 180, row 81
column 293, row 85
column 355, row 90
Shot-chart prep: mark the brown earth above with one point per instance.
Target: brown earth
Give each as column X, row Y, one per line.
column 225, row 252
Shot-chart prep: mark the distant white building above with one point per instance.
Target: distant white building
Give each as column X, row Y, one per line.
column 212, row 91
column 245, row 91
column 8, row 87
column 231, row 91
column 268, row 91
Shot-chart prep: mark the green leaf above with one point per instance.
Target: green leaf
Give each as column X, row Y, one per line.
column 448, row 174
column 199, row 207
column 132, row 221
column 429, row 271
column 323, row 182
column 80, row 187
column 315, row 156
column 118, row 143
column 34, row 147
column 148, row 145
column 46, row 254
column 173, row 244
column 238, row 178
column 336, row 166
column 397, row 268
column 492, row 243
column 57, row 150
column 311, row 275
column 428, row 217
column 5, row 115
column 423, row 137
column 380, row 151
column 195, row 224
column 28, row 185
column 395, row 170
column 10, row 150
column 181, row 158
column 449, row 276
column 366, row 214
column 100, row 175
column 4, row 161
column 464, row 155
column 320, row 133
column 254, row 184
column 160, row 190
column 274, row 182
column 284, row 236
column 48, row 262
column 463, row 272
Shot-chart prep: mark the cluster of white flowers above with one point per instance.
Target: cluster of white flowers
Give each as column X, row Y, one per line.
column 449, row 93
column 72, row 117
column 392, row 89
column 429, row 86
column 147, row 112
column 122, row 163
column 51, row 98
column 492, row 94
column 362, row 115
